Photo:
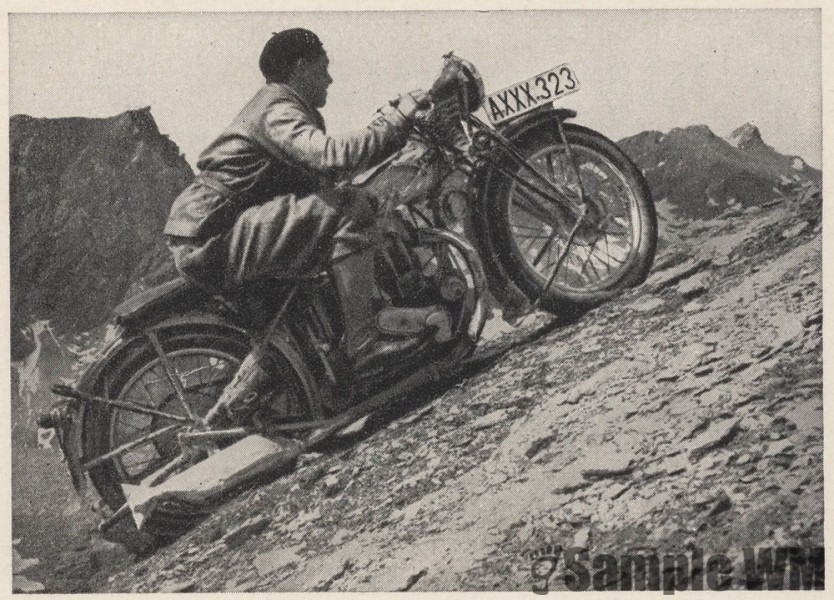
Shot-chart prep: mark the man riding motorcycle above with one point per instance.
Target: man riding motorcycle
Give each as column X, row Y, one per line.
column 271, row 203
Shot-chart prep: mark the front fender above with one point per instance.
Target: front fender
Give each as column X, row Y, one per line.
column 535, row 118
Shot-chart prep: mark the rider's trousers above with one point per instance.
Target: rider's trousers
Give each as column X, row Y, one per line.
column 288, row 236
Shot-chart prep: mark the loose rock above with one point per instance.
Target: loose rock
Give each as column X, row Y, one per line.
column 276, row 559
column 672, row 276
column 648, row 304
column 812, row 318
column 238, row 536
column 794, row 231
column 779, row 447
column 178, row 587
column 607, row 461
column 694, row 286
column 582, row 537
column 712, row 503
column 489, row 420
column 569, row 480
column 717, row 435
column 332, row 486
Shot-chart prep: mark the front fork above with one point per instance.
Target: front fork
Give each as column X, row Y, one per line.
column 559, row 200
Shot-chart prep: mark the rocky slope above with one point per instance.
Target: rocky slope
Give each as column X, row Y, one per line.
column 88, row 199
column 685, row 414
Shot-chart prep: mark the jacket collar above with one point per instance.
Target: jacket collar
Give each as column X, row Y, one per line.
column 288, row 91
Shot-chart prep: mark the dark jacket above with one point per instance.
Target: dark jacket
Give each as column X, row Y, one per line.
column 277, row 145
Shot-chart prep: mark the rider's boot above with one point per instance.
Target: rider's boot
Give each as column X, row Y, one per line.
column 251, row 385
column 365, row 345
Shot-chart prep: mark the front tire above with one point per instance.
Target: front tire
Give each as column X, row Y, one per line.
column 614, row 248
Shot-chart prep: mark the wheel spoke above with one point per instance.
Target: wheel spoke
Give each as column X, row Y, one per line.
column 545, row 248
column 535, row 237
column 552, row 170
column 588, row 261
column 138, row 458
column 524, row 164
column 129, row 425
column 525, row 201
column 172, row 374
column 607, row 252
column 527, row 227
column 602, row 248
column 148, row 393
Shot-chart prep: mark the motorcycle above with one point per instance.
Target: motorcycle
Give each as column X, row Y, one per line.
column 522, row 205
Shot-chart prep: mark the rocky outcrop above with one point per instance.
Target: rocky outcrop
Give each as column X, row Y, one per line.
column 694, row 174
column 88, row 200
column 748, row 137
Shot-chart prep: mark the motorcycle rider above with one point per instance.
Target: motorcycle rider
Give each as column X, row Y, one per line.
column 269, row 204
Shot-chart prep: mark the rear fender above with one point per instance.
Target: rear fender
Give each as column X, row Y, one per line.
column 71, row 432
column 133, row 337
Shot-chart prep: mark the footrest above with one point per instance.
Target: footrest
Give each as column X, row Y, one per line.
column 206, row 482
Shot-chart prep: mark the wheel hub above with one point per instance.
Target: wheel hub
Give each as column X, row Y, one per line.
column 168, row 444
column 590, row 229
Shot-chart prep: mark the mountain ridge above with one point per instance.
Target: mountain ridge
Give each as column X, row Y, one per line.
column 88, row 200
column 701, row 174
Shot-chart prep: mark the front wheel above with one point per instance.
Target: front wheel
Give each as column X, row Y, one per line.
column 614, row 244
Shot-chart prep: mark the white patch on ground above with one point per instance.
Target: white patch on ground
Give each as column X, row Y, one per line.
column 496, row 326
column 21, row 583
column 45, row 437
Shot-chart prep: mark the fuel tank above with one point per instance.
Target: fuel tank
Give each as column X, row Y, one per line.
column 411, row 175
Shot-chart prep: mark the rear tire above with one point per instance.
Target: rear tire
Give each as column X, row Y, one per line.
column 612, row 252
column 205, row 359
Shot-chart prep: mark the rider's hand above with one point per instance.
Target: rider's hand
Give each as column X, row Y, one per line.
column 409, row 104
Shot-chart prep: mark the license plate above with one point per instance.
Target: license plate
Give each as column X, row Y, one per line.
column 536, row 91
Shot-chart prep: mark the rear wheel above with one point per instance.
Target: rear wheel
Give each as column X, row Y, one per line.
column 613, row 246
column 205, row 362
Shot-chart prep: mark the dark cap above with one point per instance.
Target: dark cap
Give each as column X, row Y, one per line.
column 283, row 49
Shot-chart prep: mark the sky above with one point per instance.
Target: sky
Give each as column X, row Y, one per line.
column 638, row 69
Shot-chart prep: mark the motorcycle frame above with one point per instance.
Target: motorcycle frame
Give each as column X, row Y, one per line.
column 326, row 309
